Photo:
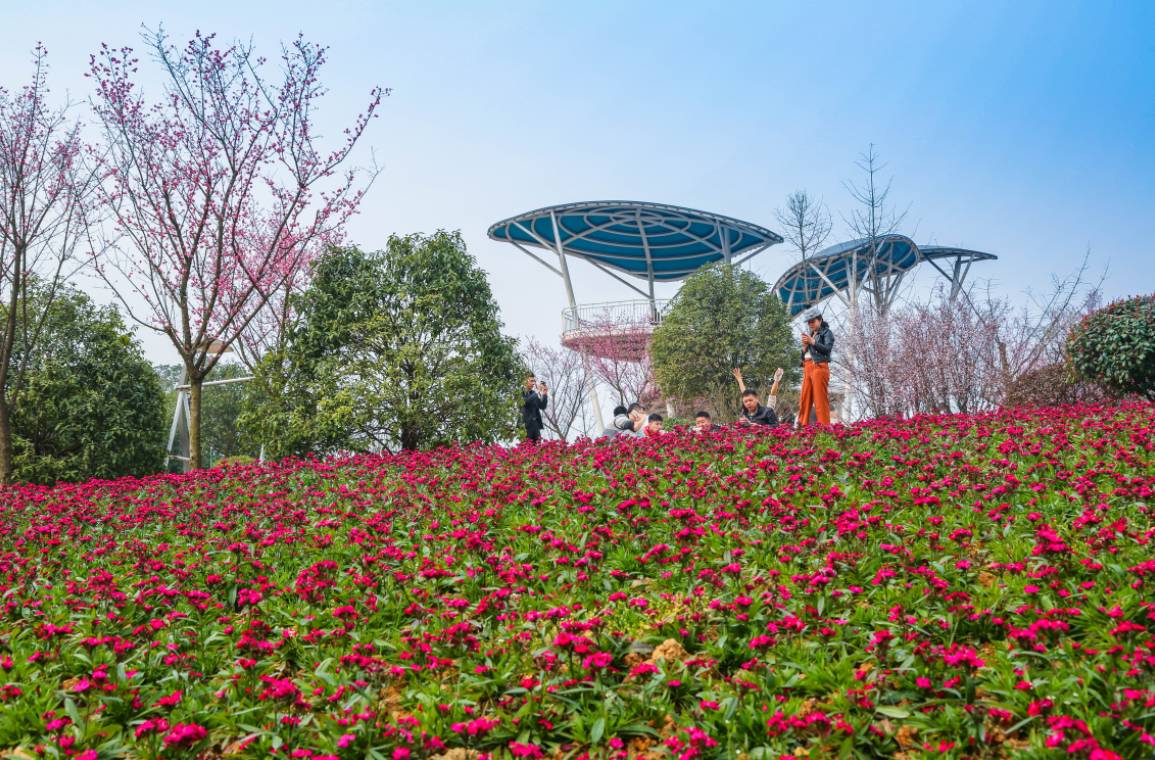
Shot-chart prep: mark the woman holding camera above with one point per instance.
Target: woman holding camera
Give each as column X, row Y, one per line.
column 817, row 345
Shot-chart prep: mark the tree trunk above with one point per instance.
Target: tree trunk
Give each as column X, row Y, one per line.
column 1005, row 367
column 194, row 421
column 5, row 441
column 410, row 437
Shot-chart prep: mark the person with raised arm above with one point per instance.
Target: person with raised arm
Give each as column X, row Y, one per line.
column 753, row 413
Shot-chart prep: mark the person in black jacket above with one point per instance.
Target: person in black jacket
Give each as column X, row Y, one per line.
column 703, row 423
column 817, row 346
column 533, row 399
column 753, row 413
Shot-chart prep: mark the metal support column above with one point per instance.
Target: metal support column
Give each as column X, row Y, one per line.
column 649, row 268
column 573, row 305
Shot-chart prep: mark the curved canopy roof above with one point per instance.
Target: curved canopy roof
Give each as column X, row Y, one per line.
column 935, row 252
column 829, row 272
column 648, row 240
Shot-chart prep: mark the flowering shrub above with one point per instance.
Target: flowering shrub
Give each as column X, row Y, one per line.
column 965, row 586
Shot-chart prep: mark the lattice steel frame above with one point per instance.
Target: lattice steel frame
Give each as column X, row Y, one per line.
column 645, row 217
column 880, row 281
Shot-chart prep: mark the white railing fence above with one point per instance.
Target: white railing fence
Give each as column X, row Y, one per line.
column 613, row 314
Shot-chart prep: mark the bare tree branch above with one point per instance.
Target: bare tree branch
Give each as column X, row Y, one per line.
column 805, row 223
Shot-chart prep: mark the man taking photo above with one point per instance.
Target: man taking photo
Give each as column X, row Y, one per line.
column 534, row 398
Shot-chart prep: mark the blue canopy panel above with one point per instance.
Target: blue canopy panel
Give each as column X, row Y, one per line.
column 821, row 276
column 647, row 240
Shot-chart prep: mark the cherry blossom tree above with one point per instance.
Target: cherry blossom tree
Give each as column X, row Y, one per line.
column 46, row 189
column 220, row 191
column 266, row 332
column 965, row 354
column 1034, row 333
column 868, row 365
column 618, row 356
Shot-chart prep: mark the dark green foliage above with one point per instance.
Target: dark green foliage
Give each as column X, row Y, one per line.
column 89, row 405
column 1115, row 346
column 400, row 348
column 722, row 318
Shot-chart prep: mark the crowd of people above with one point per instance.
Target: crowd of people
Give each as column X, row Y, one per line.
column 636, row 421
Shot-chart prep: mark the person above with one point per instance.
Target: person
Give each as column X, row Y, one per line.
column 637, row 415
column 533, row 399
column 620, row 424
column 653, row 426
column 703, row 423
column 753, row 413
column 817, row 347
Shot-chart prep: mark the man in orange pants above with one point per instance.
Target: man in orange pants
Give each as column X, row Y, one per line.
column 817, row 345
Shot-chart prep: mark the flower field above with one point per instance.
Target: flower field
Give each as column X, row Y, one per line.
column 956, row 586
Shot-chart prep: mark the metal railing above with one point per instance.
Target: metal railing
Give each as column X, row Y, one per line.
column 613, row 315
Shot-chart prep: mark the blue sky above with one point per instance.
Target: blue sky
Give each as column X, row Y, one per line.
column 1026, row 129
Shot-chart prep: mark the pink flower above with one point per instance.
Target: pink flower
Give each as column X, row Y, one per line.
column 475, row 727
column 598, row 661
column 184, row 734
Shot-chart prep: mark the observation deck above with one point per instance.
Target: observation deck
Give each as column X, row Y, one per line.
column 614, row 329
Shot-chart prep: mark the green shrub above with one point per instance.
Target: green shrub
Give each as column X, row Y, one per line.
column 89, row 406
column 1115, row 347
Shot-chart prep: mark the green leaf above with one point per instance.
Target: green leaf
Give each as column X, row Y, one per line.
column 598, row 730
column 898, row 713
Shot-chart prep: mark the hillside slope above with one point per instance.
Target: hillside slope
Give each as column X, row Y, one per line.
column 978, row 586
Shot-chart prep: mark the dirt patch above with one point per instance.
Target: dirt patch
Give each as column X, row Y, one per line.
column 669, row 650
column 907, row 736
column 17, row 753
column 642, row 747
column 457, row 753
column 390, row 702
